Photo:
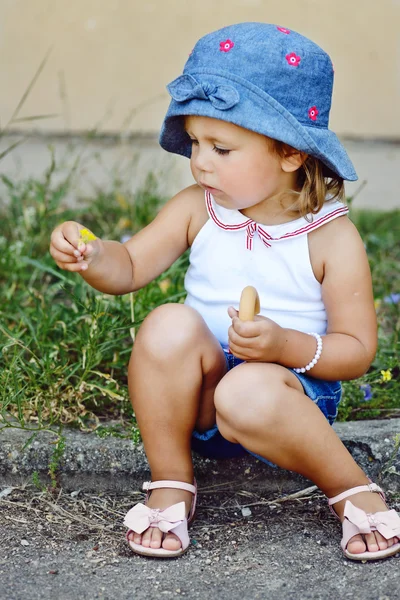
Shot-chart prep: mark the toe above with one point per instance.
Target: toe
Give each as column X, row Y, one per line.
column 136, row 538
column 372, row 542
column 146, row 538
column 356, row 545
column 381, row 542
column 171, row 542
column 156, row 538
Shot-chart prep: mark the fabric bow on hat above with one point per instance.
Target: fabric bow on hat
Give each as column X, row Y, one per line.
column 387, row 522
column 141, row 517
column 186, row 87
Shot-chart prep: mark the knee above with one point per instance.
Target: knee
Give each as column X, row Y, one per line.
column 167, row 329
column 247, row 398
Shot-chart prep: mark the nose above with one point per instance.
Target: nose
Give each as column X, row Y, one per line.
column 201, row 159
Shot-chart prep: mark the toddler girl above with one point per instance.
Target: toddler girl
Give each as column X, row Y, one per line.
column 251, row 112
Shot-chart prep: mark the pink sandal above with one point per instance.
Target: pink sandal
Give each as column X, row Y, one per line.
column 357, row 521
column 172, row 519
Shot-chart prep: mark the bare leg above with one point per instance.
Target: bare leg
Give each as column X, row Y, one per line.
column 175, row 366
column 264, row 408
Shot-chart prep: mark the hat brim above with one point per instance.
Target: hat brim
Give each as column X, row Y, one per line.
column 259, row 112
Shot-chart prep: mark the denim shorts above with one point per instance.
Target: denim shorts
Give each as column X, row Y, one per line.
column 325, row 394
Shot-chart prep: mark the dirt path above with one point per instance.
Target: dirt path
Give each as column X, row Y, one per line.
column 70, row 546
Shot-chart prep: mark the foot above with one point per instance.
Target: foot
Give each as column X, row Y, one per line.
column 371, row 542
column 153, row 537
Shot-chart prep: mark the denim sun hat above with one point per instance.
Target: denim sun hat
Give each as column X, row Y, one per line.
column 262, row 77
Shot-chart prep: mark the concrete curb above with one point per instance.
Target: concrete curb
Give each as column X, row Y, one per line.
column 110, row 464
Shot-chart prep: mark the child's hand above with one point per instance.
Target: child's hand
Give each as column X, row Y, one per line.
column 259, row 340
column 73, row 247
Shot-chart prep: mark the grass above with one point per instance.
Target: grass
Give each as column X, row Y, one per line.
column 65, row 347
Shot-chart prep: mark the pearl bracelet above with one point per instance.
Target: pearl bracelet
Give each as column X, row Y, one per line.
column 317, row 356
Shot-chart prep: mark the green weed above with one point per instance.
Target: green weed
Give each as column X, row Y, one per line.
column 55, row 461
column 36, row 481
column 377, row 394
column 65, row 347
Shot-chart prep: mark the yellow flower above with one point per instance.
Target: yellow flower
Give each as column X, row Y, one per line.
column 377, row 303
column 164, row 285
column 122, row 201
column 124, row 223
column 85, row 236
column 386, row 375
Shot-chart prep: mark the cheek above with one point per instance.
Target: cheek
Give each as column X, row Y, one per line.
column 264, row 174
column 251, row 175
column 252, row 182
column 193, row 168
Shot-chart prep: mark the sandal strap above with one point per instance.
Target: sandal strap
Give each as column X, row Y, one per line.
column 178, row 485
column 371, row 487
column 165, row 483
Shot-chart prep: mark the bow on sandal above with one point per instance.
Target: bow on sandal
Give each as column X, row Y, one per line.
column 169, row 520
column 357, row 521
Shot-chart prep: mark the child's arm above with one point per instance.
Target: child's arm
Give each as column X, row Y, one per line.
column 115, row 268
column 350, row 343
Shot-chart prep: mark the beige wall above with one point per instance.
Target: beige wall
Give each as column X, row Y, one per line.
column 111, row 59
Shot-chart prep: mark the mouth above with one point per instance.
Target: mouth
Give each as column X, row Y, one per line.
column 210, row 189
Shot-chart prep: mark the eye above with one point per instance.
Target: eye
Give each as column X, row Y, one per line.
column 221, row 151
column 194, row 142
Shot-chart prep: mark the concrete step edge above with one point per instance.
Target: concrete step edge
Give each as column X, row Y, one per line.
column 89, row 462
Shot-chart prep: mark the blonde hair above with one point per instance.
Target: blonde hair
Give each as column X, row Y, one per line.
column 315, row 182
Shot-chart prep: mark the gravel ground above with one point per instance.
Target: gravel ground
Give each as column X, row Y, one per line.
column 65, row 546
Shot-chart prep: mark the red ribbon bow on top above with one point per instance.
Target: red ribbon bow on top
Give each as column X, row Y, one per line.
column 253, row 228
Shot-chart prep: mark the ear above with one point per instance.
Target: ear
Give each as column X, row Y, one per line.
column 293, row 161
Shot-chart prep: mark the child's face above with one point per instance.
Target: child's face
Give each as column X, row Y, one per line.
column 237, row 166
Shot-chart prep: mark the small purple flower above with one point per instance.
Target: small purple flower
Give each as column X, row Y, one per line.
column 125, row 238
column 367, row 391
column 392, row 299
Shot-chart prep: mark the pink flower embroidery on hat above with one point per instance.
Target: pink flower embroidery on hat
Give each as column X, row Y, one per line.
column 313, row 112
column 283, row 30
column 226, row 45
column 293, row 59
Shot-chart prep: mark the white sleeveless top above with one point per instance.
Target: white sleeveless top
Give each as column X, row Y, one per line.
column 231, row 251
